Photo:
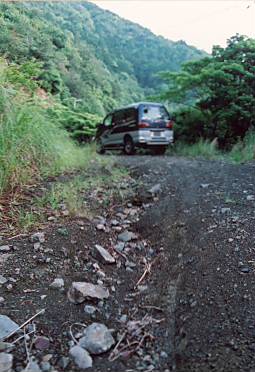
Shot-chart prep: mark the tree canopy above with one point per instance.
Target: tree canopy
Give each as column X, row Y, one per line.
column 219, row 92
column 91, row 59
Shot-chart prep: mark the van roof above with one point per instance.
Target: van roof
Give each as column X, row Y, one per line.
column 137, row 104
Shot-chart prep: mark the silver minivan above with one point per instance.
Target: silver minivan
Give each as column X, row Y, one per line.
column 143, row 124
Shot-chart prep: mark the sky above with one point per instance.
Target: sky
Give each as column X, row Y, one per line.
column 202, row 23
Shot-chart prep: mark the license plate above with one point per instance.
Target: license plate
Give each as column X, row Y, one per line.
column 156, row 134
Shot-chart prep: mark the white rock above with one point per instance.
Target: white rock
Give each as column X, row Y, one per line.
column 5, row 362
column 57, row 283
column 250, row 197
column 5, row 248
column 104, row 255
column 80, row 291
column 126, row 236
column 156, row 189
column 100, row 227
column 3, row 280
column 7, row 326
column 32, row 366
column 38, row 237
column 81, row 357
column 89, row 309
column 97, row 339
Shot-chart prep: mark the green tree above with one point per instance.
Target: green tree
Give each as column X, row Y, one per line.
column 221, row 87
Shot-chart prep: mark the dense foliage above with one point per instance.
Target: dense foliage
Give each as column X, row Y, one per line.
column 90, row 59
column 32, row 140
column 219, row 91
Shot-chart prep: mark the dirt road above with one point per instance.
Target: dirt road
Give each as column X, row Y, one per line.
column 204, row 222
column 181, row 290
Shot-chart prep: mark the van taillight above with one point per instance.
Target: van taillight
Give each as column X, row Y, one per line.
column 170, row 124
column 143, row 125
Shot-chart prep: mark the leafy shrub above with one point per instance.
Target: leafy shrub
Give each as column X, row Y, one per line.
column 32, row 144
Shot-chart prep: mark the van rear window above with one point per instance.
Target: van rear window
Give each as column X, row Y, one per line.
column 154, row 113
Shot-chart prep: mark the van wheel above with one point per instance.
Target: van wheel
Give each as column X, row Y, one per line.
column 159, row 150
column 129, row 147
column 99, row 147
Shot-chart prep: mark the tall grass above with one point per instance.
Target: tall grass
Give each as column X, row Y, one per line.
column 202, row 148
column 31, row 144
column 243, row 151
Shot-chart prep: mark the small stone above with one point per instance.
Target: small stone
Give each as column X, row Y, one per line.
column 5, row 346
column 142, row 288
column 45, row 366
column 123, row 318
column 79, row 291
column 3, row 280
column 51, row 218
column 250, row 197
column 127, row 236
column 5, row 248
column 57, row 283
column 245, row 270
column 32, row 366
column 81, row 357
column 89, row 309
column 63, row 231
column 193, row 303
column 37, row 246
column 204, row 185
column 47, row 357
column 103, row 255
column 163, row 354
column 156, row 189
column 38, row 237
column 100, row 227
column 225, row 210
column 7, row 326
column 114, row 222
column 63, row 362
column 97, row 339
column 130, row 264
column 120, row 246
column 42, row 343
column 6, row 361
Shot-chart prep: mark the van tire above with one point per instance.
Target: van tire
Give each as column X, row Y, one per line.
column 99, row 147
column 129, row 147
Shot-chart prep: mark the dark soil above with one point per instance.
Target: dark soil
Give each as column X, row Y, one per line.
column 197, row 235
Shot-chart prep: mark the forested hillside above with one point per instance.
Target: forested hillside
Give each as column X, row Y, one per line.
column 91, row 59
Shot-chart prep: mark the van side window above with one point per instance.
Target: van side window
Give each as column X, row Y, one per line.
column 108, row 121
column 131, row 115
column 118, row 117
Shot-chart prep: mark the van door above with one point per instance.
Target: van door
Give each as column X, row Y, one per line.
column 118, row 127
column 105, row 137
column 125, row 123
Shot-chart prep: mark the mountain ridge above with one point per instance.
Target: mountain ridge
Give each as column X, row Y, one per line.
column 89, row 55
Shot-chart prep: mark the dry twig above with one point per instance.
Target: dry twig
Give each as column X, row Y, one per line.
column 22, row 325
column 71, row 332
column 146, row 271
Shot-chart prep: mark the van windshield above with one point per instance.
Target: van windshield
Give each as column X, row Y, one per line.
column 154, row 113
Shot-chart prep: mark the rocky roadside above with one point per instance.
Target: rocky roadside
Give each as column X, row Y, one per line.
column 72, row 294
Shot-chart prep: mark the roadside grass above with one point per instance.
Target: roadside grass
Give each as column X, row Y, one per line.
column 73, row 194
column 203, row 148
column 243, row 151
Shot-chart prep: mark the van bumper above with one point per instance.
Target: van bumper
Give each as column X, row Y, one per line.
column 155, row 138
